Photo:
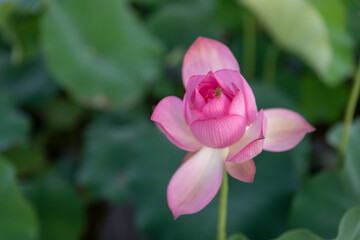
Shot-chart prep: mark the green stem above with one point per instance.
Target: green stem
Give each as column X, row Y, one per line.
column 249, row 45
column 270, row 61
column 223, row 207
column 349, row 115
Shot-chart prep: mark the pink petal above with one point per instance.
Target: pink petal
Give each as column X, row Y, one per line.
column 219, row 132
column 198, row 101
column 190, row 115
column 285, row 129
column 251, row 144
column 196, row 182
column 193, row 83
column 244, row 171
column 217, row 107
column 193, row 115
column 206, row 55
column 170, row 120
column 244, row 103
column 238, row 105
column 232, row 79
column 188, row 156
column 211, row 82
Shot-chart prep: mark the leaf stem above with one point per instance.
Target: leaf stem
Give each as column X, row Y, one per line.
column 349, row 115
column 270, row 61
column 249, row 45
column 223, row 207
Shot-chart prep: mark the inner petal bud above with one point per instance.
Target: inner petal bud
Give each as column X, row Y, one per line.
column 217, row 107
column 210, row 88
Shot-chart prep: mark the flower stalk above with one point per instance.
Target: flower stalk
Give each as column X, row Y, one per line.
column 223, row 207
column 349, row 115
column 249, row 45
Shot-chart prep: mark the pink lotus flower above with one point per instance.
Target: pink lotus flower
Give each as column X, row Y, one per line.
column 219, row 124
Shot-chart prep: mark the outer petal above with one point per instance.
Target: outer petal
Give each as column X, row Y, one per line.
column 244, row 100
column 285, row 129
column 219, row 132
column 251, row 144
column 196, row 182
column 206, row 55
column 169, row 118
column 244, row 171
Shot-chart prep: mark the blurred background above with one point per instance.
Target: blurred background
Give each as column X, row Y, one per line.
column 80, row 158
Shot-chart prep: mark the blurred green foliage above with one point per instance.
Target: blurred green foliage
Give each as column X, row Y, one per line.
column 78, row 35
column 321, row 203
column 348, row 229
column 78, row 83
column 18, row 219
column 60, row 209
column 14, row 125
column 314, row 30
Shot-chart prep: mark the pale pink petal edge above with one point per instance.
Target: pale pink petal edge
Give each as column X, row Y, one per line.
column 252, row 142
column 285, row 129
column 196, row 182
column 244, row 171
